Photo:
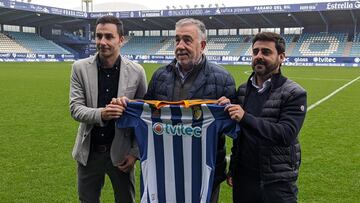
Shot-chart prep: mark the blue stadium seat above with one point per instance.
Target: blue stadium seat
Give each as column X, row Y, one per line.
column 9, row 45
column 216, row 45
column 321, row 44
column 36, row 43
column 355, row 49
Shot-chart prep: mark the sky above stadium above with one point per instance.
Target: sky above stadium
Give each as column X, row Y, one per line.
column 162, row 4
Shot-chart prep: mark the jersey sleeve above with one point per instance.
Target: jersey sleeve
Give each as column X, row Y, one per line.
column 231, row 129
column 225, row 124
column 131, row 116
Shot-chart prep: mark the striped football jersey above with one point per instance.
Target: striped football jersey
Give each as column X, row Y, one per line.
column 177, row 143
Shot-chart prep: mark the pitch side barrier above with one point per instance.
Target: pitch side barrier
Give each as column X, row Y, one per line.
column 163, row 59
column 246, row 60
column 32, row 57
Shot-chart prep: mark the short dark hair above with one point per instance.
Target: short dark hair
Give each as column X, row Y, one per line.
column 272, row 37
column 112, row 20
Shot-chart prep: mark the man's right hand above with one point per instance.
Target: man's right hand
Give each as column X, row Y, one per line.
column 229, row 180
column 112, row 111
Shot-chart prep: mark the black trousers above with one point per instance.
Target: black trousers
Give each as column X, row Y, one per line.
column 247, row 189
column 215, row 194
column 92, row 176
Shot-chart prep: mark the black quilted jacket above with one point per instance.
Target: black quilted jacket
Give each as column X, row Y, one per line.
column 278, row 127
column 212, row 82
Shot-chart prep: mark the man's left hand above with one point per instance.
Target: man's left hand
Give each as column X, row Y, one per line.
column 235, row 112
column 127, row 164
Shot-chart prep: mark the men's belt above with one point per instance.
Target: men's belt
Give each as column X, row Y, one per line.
column 101, row 148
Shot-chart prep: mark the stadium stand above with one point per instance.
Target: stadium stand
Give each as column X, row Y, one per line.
column 320, row 44
column 168, row 47
column 308, row 44
column 142, row 45
column 8, row 45
column 246, row 48
column 68, row 35
column 216, row 45
column 355, row 50
column 289, row 38
column 36, row 43
column 224, row 45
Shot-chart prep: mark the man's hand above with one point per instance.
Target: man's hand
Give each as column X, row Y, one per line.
column 127, row 164
column 122, row 101
column 229, row 180
column 236, row 112
column 112, row 111
column 223, row 101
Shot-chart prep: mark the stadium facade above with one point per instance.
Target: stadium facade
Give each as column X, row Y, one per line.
column 317, row 34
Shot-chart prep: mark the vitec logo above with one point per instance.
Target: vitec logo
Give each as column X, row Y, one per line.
column 176, row 130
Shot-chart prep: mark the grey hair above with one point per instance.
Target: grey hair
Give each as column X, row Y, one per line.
column 191, row 21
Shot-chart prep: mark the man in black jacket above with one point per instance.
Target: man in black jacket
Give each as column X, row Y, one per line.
column 271, row 109
column 191, row 76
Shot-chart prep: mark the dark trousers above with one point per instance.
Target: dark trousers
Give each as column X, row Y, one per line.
column 215, row 194
column 91, row 180
column 250, row 190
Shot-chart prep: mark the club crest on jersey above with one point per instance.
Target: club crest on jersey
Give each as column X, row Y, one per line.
column 176, row 130
column 197, row 112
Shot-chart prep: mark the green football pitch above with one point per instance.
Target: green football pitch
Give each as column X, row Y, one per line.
column 37, row 134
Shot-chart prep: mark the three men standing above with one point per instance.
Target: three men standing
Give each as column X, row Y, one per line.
column 269, row 108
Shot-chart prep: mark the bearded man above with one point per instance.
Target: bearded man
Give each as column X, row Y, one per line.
column 270, row 110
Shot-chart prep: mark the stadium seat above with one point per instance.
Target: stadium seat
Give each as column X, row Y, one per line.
column 320, row 44
column 216, row 45
column 355, row 49
column 36, row 43
column 9, row 45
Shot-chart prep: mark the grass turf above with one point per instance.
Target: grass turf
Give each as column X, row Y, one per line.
column 37, row 134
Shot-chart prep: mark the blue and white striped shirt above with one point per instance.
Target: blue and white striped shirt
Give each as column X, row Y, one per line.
column 177, row 148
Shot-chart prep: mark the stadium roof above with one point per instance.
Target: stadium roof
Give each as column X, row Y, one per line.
column 299, row 15
column 262, row 20
column 29, row 18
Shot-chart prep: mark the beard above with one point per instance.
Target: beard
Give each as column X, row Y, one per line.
column 264, row 69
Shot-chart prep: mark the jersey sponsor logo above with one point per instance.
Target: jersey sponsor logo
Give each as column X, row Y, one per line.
column 176, row 130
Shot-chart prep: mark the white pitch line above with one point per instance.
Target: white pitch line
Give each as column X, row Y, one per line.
column 332, row 94
column 248, row 72
column 321, row 101
column 327, row 79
